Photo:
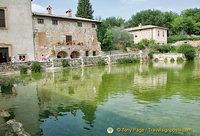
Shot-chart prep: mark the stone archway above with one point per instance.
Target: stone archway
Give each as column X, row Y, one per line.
column 75, row 54
column 62, row 54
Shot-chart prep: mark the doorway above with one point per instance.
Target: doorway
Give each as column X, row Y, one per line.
column 4, row 57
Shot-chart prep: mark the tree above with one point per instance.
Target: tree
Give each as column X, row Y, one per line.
column 194, row 13
column 169, row 17
column 104, row 26
column 120, row 36
column 146, row 17
column 188, row 50
column 183, row 24
column 84, row 9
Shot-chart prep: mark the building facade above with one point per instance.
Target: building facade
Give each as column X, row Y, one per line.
column 64, row 36
column 28, row 35
column 150, row 32
column 16, row 30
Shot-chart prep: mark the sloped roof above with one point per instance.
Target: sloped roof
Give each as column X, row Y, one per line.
column 64, row 17
column 144, row 27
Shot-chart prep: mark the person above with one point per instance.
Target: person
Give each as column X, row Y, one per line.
column 23, row 58
column 14, row 59
column 43, row 58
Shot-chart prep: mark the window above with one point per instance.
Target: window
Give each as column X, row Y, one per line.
column 158, row 33
column 79, row 24
column 87, row 53
column 2, row 18
column 94, row 53
column 22, row 57
column 54, row 22
column 163, row 34
column 135, row 36
column 68, row 38
column 40, row 21
column 93, row 26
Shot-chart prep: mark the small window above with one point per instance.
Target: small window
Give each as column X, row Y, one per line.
column 22, row 57
column 40, row 21
column 87, row 53
column 79, row 24
column 163, row 34
column 54, row 22
column 158, row 33
column 135, row 36
column 68, row 38
column 94, row 53
column 2, row 18
column 93, row 26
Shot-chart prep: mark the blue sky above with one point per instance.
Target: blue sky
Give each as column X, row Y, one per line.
column 117, row 8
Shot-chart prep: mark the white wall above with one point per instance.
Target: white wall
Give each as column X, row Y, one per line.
column 20, row 31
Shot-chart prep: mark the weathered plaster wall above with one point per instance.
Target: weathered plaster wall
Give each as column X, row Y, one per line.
column 142, row 34
column 150, row 34
column 56, row 33
column 19, row 33
column 160, row 38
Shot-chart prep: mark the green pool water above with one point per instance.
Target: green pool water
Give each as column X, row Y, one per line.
column 87, row 101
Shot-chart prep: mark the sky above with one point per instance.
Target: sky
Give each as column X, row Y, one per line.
column 117, row 8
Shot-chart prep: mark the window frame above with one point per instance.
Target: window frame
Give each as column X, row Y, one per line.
column 78, row 24
column 93, row 25
column 53, row 21
column 67, row 38
column 40, row 22
column 94, row 53
column 86, row 53
column 5, row 18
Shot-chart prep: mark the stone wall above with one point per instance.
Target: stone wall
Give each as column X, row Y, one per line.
column 193, row 43
column 48, row 36
column 168, row 56
column 56, row 63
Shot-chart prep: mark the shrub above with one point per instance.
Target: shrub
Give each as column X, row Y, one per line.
column 35, row 67
column 140, row 46
column 172, row 60
column 180, row 60
column 188, row 50
column 64, row 63
column 128, row 60
column 156, row 60
column 175, row 38
column 165, row 60
column 150, row 55
column 23, row 70
column 101, row 62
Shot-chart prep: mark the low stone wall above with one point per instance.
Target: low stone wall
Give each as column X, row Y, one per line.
column 55, row 63
column 168, row 56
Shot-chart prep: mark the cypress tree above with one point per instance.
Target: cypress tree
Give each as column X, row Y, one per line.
column 84, row 9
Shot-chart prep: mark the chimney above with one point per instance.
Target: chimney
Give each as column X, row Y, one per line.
column 140, row 25
column 69, row 13
column 49, row 10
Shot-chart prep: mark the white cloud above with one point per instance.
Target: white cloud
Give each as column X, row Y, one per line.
column 132, row 1
column 38, row 8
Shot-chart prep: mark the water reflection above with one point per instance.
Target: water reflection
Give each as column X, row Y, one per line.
column 88, row 100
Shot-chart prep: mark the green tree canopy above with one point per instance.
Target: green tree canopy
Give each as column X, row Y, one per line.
column 194, row 13
column 183, row 24
column 147, row 17
column 84, row 9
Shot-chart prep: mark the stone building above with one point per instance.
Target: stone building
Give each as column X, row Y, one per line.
column 159, row 34
column 16, row 30
column 28, row 35
column 64, row 36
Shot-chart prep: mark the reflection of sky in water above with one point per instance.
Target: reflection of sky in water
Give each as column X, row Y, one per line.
column 89, row 100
